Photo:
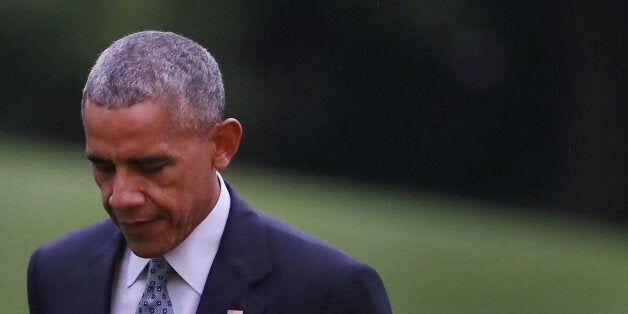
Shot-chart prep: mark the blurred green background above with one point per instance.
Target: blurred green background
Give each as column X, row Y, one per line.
column 435, row 254
column 473, row 152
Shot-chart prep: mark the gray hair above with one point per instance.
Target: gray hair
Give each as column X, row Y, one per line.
column 153, row 65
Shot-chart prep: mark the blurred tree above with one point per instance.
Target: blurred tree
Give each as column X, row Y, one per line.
column 593, row 56
column 460, row 102
column 514, row 101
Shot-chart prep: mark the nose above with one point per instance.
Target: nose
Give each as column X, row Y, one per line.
column 125, row 193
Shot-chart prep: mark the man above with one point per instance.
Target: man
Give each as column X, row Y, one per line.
column 180, row 239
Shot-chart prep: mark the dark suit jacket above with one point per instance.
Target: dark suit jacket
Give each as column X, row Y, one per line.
column 263, row 265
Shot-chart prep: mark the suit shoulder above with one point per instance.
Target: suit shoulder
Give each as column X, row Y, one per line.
column 333, row 280
column 77, row 242
column 302, row 247
column 58, row 270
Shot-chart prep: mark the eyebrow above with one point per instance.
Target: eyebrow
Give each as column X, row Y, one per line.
column 137, row 161
column 95, row 158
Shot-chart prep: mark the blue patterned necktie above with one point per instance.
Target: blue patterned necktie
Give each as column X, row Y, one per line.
column 155, row 298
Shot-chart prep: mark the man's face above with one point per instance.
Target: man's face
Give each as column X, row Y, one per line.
column 157, row 183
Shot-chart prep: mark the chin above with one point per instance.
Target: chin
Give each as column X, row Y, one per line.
column 147, row 250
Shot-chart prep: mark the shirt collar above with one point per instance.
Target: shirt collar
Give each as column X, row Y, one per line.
column 201, row 245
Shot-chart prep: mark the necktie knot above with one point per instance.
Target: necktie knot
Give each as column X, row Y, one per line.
column 155, row 298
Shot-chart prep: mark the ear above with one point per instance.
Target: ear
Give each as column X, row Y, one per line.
column 226, row 137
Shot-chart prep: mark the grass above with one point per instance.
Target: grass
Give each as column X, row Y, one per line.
column 435, row 254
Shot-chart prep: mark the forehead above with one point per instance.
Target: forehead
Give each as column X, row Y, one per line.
column 143, row 126
column 141, row 113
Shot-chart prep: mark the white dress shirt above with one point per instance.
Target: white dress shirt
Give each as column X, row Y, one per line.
column 191, row 261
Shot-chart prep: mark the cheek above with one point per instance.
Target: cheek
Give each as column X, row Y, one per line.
column 111, row 214
column 105, row 189
column 178, row 203
column 105, row 195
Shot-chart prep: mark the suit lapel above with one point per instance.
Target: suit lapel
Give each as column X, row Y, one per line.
column 242, row 260
column 100, row 282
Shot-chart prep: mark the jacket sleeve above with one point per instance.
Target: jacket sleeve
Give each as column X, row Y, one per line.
column 358, row 290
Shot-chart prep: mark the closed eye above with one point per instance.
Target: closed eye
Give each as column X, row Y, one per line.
column 151, row 164
column 105, row 167
column 102, row 165
column 144, row 164
column 151, row 168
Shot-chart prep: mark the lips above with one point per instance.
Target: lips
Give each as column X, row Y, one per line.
column 138, row 225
